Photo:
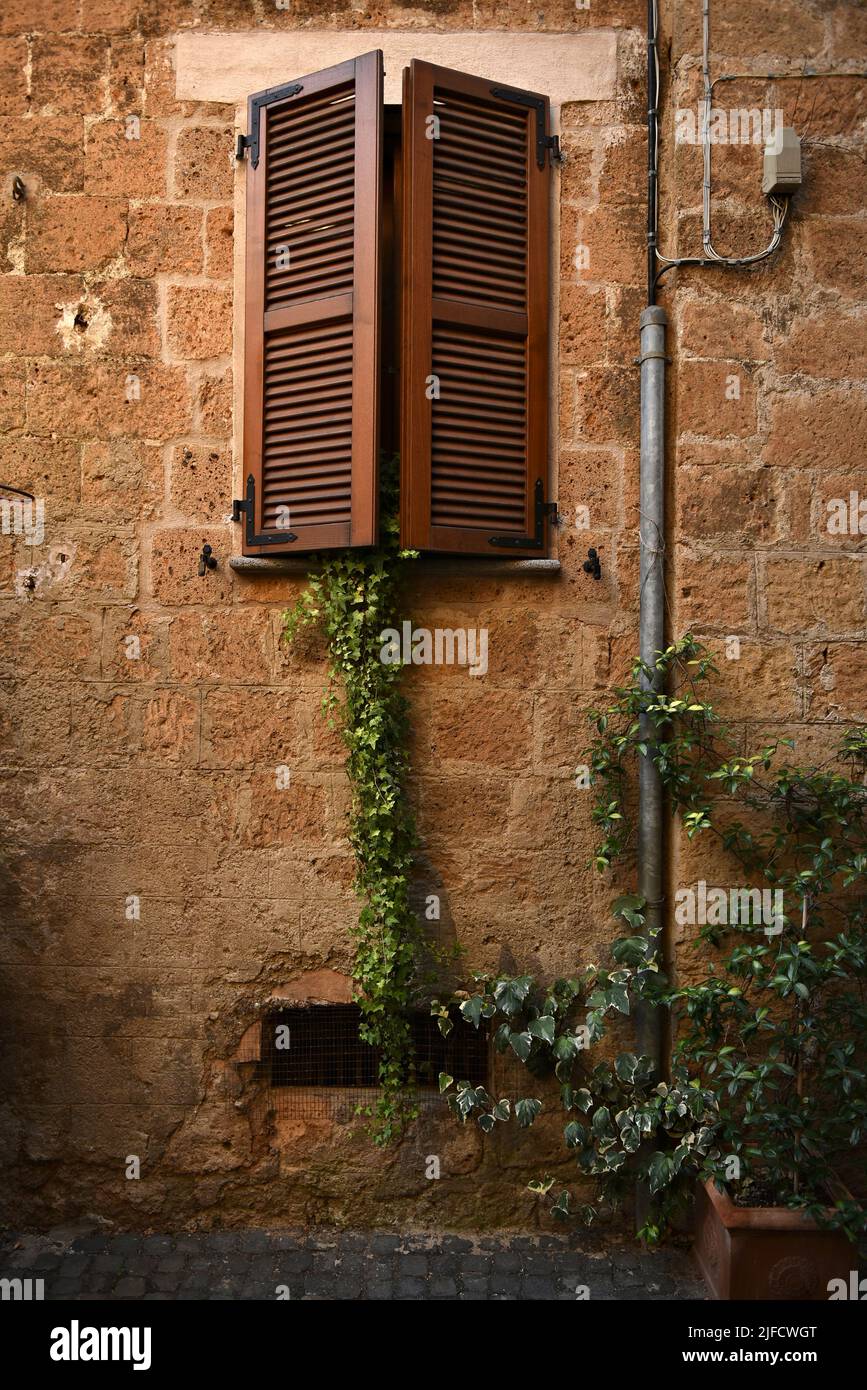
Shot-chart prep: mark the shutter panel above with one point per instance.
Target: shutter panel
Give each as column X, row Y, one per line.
column 311, row 352
column 475, row 315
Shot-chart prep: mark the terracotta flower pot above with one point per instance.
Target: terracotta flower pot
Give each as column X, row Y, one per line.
column 763, row 1253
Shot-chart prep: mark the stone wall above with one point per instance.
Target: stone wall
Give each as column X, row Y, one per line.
column 144, row 709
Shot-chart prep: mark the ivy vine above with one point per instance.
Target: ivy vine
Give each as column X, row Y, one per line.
column 767, row 1090
column 351, row 597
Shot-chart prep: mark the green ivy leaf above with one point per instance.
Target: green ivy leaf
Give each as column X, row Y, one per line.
column 526, row 1112
column 471, row 1009
column 521, row 1043
column 542, row 1028
column 509, row 995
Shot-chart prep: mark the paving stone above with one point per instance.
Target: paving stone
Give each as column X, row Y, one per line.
column 224, row 1241
column 253, row 1241
column 90, row 1245
column 97, row 1284
column 456, row 1245
column 316, row 1284
column 356, row 1241
column 384, row 1244
column 322, row 1264
column 61, row 1288
column 507, row 1262
column 283, row 1240
column 129, row 1287
column 188, row 1245
column 380, row 1290
column 442, row 1288
column 158, row 1245
column 410, row 1288
column 295, row 1262
column 319, row 1241
column 475, row 1287
column 126, row 1245
column 345, row 1290
column 534, row 1287
column 324, row 1261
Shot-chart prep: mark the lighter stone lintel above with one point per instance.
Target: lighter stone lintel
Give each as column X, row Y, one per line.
column 566, row 67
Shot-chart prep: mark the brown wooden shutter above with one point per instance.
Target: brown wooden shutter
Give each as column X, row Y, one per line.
column 475, row 315
column 312, row 311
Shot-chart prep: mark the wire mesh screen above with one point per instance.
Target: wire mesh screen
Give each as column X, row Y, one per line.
column 316, row 1066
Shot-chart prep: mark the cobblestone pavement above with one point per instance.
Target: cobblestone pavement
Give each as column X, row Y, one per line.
column 332, row 1265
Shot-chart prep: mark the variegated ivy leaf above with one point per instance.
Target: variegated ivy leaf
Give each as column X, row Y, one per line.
column 560, row 1209
column 521, row 1043
column 575, row 1135
column 503, row 1109
column 626, row 1066
column 509, row 995
column 659, row 1172
column 542, row 1028
column 445, row 1081
column 526, row 1112
column 603, row 1129
column 471, row 1009
column 541, row 1188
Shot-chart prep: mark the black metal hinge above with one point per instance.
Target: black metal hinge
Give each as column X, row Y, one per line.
column 246, row 507
column 250, row 142
column 545, row 143
column 537, row 540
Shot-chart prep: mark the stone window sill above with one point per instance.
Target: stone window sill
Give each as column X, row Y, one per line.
column 478, row 567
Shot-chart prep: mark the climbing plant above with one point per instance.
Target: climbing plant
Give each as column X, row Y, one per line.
column 767, row 1090
column 352, row 596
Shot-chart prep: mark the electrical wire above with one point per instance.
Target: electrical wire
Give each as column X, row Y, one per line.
column 779, row 206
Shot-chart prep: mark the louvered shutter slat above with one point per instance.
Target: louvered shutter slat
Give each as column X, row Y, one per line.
column 312, row 312
column 474, row 433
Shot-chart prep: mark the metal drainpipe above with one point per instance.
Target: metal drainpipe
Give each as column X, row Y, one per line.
column 651, row 531
column 648, row 1022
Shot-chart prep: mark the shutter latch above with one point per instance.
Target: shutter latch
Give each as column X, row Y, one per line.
column 543, row 509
